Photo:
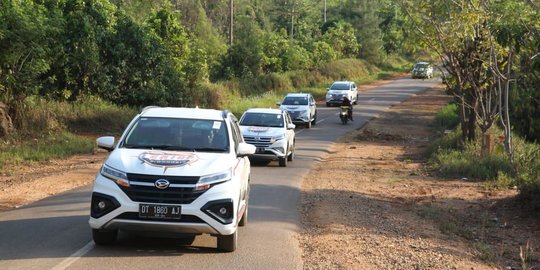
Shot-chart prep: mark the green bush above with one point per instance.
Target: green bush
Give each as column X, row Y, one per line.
column 455, row 163
column 47, row 146
column 446, row 119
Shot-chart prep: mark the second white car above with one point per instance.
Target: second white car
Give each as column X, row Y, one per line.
column 272, row 132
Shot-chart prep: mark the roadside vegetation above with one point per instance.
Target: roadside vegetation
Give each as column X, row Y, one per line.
column 453, row 158
column 86, row 67
column 490, row 54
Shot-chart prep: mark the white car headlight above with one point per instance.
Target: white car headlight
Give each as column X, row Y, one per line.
column 206, row 181
column 115, row 175
column 277, row 138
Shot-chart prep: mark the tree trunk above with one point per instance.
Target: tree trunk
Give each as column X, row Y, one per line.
column 462, row 119
column 471, row 123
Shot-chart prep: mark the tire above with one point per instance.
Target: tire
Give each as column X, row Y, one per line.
column 328, row 104
column 290, row 157
column 244, row 220
column 344, row 120
column 308, row 124
column 104, row 237
column 356, row 100
column 315, row 119
column 283, row 161
column 227, row 243
column 186, row 241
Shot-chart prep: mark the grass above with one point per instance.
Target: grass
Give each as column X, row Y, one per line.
column 446, row 119
column 452, row 158
column 264, row 91
column 49, row 146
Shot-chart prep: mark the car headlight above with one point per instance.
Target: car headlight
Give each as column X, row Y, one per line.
column 328, row 95
column 117, row 176
column 206, row 181
column 303, row 113
column 277, row 138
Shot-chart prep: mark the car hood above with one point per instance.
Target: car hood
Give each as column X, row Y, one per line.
column 338, row 92
column 261, row 131
column 174, row 163
column 294, row 107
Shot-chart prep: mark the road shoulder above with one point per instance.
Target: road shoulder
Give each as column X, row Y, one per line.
column 372, row 203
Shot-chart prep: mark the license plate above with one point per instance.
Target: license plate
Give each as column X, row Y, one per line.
column 260, row 150
column 159, row 211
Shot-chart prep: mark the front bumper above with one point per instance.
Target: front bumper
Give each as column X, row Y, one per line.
column 193, row 219
column 274, row 151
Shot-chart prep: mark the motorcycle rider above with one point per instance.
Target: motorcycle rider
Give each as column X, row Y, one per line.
column 347, row 102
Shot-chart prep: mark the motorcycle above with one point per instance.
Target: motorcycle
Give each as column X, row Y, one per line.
column 344, row 114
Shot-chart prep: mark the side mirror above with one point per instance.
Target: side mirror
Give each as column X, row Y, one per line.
column 278, row 103
column 291, row 126
column 106, row 143
column 245, row 149
column 327, row 89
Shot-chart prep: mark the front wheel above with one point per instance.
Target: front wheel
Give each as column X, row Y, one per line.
column 104, row 237
column 227, row 243
column 344, row 120
column 290, row 157
column 315, row 119
column 308, row 124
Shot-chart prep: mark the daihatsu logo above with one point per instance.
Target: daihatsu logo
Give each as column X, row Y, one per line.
column 161, row 184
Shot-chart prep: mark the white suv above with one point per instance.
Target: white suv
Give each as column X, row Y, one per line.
column 176, row 171
column 271, row 131
column 339, row 90
column 301, row 107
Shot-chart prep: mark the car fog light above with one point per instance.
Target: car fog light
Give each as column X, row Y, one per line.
column 223, row 210
column 102, row 205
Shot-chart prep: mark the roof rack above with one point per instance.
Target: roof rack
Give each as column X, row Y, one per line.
column 149, row 107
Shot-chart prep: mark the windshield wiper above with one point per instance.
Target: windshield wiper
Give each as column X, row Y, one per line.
column 161, row 147
column 210, row 149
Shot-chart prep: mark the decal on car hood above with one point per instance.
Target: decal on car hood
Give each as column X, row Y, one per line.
column 258, row 129
column 167, row 159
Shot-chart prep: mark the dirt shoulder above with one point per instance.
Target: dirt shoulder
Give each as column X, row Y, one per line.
column 21, row 185
column 372, row 204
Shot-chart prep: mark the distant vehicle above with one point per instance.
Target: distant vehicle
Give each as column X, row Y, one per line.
column 344, row 114
column 339, row 90
column 301, row 107
column 422, row 70
column 179, row 171
column 272, row 132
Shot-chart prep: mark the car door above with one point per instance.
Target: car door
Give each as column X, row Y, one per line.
column 312, row 107
column 290, row 132
column 243, row 168
column 354, row 94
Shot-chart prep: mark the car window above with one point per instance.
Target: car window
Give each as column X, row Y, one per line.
column 262, row 120
column 235, row 135
column 177, row 134
column 340, row 86
column 289, row 100
column 288, row 117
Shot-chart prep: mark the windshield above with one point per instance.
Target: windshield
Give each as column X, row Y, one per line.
column 262, row 120
column 339, row 86
column 177, row 134
column 421, row 65
column 295, row 101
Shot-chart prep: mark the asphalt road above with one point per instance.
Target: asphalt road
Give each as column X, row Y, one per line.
column 54, row 234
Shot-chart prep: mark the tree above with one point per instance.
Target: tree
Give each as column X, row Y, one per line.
column 25, row 42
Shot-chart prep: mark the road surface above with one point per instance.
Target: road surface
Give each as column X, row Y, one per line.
column 54, row 234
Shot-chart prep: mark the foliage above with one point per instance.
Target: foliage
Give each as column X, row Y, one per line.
column 446, row 118
column 57, row 145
